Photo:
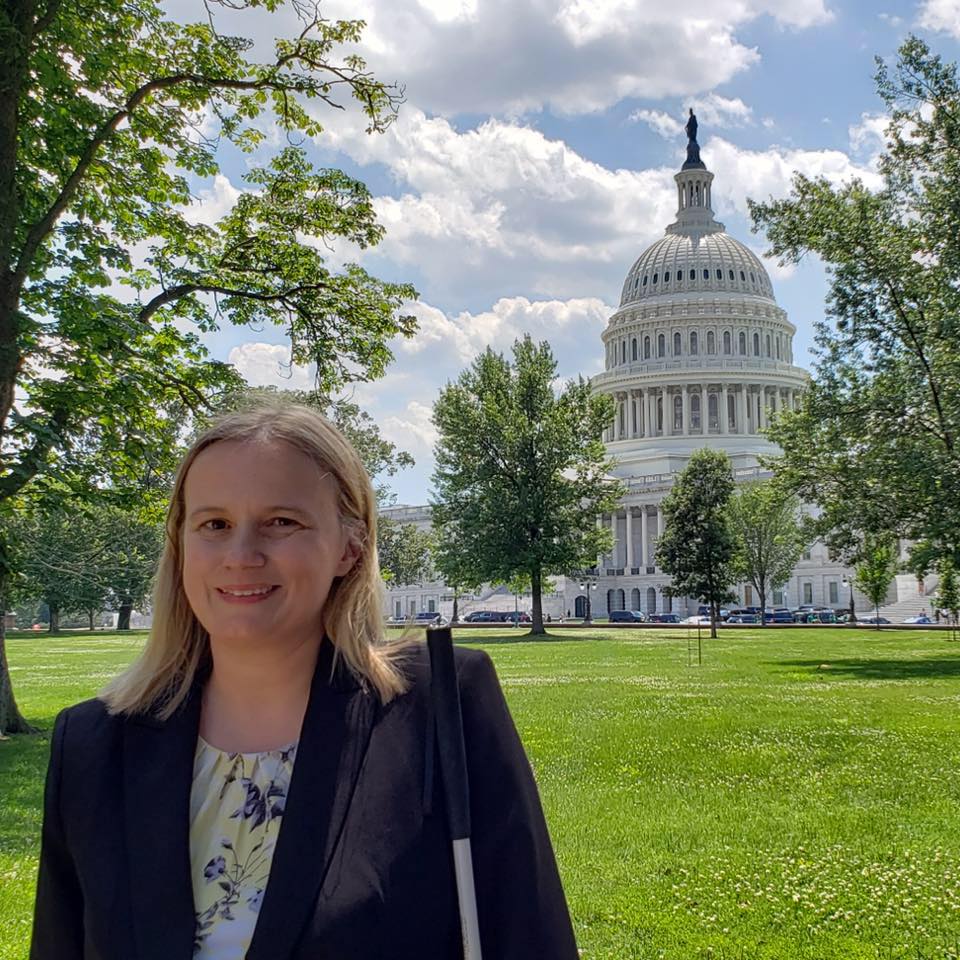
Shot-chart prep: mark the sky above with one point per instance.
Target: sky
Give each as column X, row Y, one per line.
column 532, row 162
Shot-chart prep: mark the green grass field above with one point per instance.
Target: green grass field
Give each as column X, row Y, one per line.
column 796, row 796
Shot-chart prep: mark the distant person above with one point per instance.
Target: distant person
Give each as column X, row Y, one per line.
column 262, row 782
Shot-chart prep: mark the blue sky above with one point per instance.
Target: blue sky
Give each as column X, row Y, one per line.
column 532, row 161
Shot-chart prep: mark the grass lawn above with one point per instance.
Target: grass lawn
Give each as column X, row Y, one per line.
column 796, row 796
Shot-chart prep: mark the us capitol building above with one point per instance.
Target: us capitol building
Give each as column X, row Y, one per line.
column 697, row 354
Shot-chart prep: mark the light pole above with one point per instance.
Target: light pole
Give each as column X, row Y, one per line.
column 853, row 615
column 587, row 582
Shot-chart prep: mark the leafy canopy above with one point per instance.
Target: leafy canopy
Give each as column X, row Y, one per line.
column 521, row 472
column 875, row 444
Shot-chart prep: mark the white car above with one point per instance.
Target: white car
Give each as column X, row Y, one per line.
column 697, row 621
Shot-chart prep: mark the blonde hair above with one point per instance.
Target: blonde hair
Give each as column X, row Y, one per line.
column 178, row 649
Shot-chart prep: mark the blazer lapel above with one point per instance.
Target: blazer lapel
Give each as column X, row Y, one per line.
column 157, row 775
column 333, row 741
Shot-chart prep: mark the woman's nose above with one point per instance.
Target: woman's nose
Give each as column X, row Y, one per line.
column 245, row 549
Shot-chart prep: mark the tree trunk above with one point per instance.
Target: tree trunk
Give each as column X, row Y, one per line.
column 714, row 613
column 123, row 618
column 454, row 616
column 536, row 584
column 54, row 617
column 90, row 619
column 763, row 606
column 11, row 720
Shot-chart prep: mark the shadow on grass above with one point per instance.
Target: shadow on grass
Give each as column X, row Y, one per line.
column 515, row 636
column 23, row 767
column 871, row 669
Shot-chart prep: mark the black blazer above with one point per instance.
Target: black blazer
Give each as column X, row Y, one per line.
column 362, row 868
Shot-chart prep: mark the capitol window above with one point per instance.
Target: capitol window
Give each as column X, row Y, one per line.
column 693, row 274
column 678, row 412
column 677, row 344
column 743, row 344
column 656, row 277
column 623, row 351
column 694, row 345
column 706, row 274
column 695, row 411
column 769, row 354
column 633, row 348
column 712, row 408
column 719, row 274
column 726, row 341
column 661, row 346
column 743, row 277
column 644, row 279
column 778, row 347
column 646, row 348
column 732, row 277
column 756, row 344
column 711, row 342
column 666, row 277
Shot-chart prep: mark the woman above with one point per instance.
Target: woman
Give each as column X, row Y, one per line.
column 261, row 783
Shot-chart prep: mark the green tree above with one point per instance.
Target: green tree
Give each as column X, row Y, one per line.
column 948, row 594
column 521, row 469
column 450, row 561
column 111, row 114
column 769, row 536
column 878, row 566
column 131, row 545
column 697, row 545
column 875, row 444
column 406, row 553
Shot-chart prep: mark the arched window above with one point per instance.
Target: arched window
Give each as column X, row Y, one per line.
column 677, row 412
column 769, row 354
column 651, row 600
column 706, row 274
column 677, row 344
column 743, row 343
column 635, row 598
column 743, row 277
column 711, row 342
column 666, row 277
column 633, row 349
column 732, row 277
column 660, row 414
column 646, row 348
column 694, row 344
column 731, row 412
column 726, row 341
column 756, row 344
column 656, row 277
column 778, row 347
column 623, row 351
column 693, row 274
column 712, row 417
column 695, row 412
column 644, row 279
column 661, row 346
column 719, row 274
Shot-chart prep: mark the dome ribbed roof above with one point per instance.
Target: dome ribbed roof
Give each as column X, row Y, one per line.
column 696, row 263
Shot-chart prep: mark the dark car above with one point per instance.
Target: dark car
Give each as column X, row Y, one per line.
column 627, row 616
column 704, row 611
column 431, row 617
column 743, row 617
column 664, row 617
column 512, row 616
column 482, row 616
column 780, row 615
column 873, row 620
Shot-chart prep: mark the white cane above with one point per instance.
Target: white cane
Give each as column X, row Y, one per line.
column 445, row 694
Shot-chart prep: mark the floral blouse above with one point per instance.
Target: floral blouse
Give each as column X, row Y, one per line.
column 236, row 804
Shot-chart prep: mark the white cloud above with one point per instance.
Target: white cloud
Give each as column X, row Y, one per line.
column 664, row 124
column 268, row 364
column 214, row 202
column 411, row 430
column 712, row 110
column 870, row 134
column 941, row 15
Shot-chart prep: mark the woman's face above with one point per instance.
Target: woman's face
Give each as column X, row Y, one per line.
column 262, row 543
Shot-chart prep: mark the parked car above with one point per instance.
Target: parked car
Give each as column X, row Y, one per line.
column 430, row 618
column 513, row 616
column 779, row 615
column 482, row 616
column 922, row 618
column 627, row 616
column 743, row 618
column 697, row 621
column 704, row 611
column 802, row 613
column 825, row 616
column 873, row 620
column 664, row 617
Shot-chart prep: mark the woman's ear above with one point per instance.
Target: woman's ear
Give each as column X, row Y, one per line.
column 351, row 553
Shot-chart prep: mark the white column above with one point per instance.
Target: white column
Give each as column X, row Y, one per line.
column 633, row 413
column 722, row 404
column 763, row 408
column 599, row 555
column 742, row 409
column 704, row 410
column 629, row 538
column 616, row 544
column 686, row 410
column 659, row 523
column 644, row 538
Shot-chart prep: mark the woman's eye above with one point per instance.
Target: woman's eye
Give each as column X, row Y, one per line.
column 213, row 525
column 283, row 522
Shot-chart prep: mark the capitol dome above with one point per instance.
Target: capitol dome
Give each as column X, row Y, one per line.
column 694, row 263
